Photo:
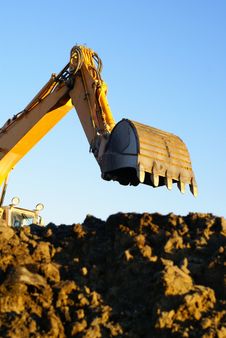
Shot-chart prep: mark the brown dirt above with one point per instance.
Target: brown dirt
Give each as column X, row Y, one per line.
column 135, row 275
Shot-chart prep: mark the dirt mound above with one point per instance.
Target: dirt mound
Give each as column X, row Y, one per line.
column 135, row 275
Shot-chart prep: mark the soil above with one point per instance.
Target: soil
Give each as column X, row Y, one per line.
column 135, row 275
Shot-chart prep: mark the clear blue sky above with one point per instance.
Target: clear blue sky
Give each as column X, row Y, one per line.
column 165, row 66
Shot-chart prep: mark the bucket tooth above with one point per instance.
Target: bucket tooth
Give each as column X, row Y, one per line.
column 155, row 179
column 154, row 175
column 169, row 182
column 194, row 188
column 181, row 186
column 141, row 173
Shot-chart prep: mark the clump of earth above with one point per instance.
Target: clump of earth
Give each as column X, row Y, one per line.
column 135, row 275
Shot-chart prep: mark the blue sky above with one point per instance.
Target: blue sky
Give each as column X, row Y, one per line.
column 165, row 66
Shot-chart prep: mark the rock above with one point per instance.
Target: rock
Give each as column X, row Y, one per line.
column 174, row 242
column 21, row 274
column 6, row 233
column 78, row 327
column 12, row 303
column 51, row 272
column 223, row 225
column 43, row 252
column 176, row 281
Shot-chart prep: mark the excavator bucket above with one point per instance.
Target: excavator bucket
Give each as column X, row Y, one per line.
column 136, row 153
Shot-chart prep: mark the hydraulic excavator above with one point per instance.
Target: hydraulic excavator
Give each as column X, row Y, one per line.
column 128, row 152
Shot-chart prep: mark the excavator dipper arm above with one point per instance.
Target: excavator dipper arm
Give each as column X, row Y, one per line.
column 128, row 152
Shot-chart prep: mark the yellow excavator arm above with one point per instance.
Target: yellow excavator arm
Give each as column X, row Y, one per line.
column 78, row 85
column 128, row 152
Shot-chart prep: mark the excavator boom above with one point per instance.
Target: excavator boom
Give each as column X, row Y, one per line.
column 128, row 152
